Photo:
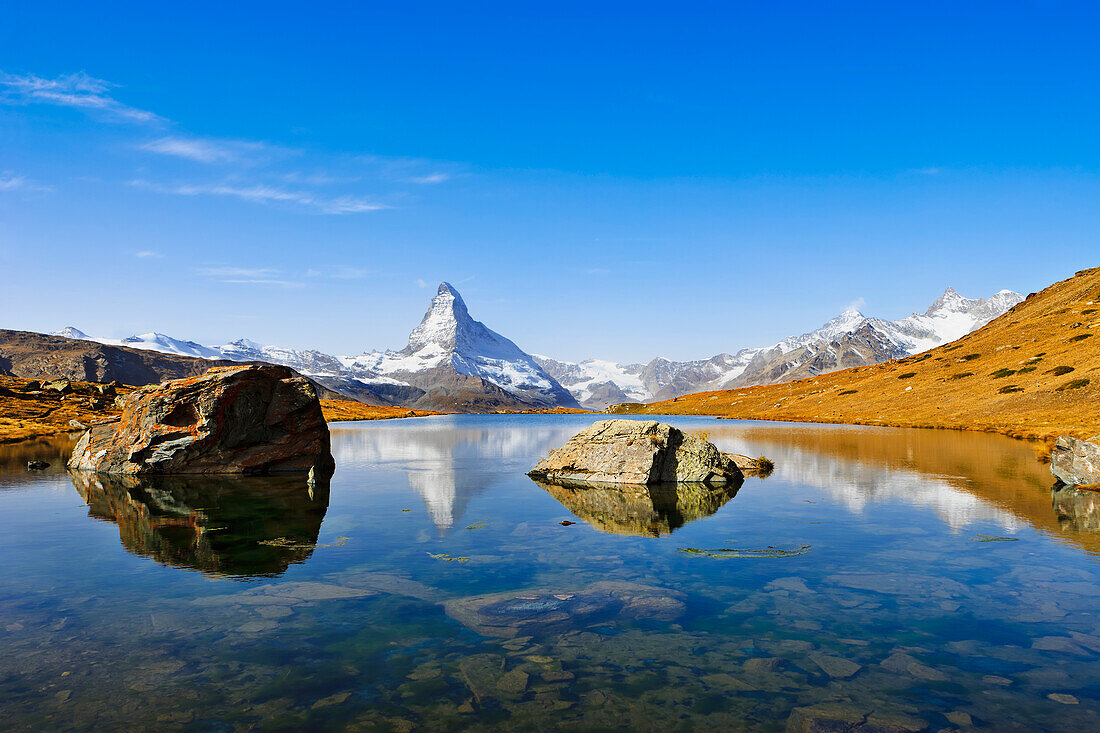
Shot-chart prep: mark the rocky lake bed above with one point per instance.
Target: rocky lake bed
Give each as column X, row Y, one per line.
column 880, row 579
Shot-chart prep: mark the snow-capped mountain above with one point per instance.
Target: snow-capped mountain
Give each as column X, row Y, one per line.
column 451, row 353
column 454, row 362
column 850, row 339
column 151, row 341
column 451, row 362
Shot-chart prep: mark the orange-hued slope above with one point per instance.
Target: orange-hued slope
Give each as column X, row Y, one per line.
column 1033, row 372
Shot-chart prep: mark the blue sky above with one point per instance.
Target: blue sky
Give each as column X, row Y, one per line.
column 597, row 179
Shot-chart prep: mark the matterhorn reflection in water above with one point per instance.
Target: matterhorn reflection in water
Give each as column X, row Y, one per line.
column 634, row 509
column 448, row 460
column 226, row 526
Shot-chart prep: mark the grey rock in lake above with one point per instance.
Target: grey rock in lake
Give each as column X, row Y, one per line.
column 1076, row 462
column 636, row 452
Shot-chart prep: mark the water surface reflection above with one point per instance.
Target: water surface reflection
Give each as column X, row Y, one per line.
column 232, row 526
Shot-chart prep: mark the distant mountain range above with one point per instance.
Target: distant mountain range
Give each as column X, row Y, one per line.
column 453, row 362
column 850, row 339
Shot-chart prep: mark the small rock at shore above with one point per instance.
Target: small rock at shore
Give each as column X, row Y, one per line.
column 1076, row 462
column 636, row 452
column 37, row 465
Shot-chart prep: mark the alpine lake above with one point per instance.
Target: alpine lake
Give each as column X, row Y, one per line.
column 878, row 580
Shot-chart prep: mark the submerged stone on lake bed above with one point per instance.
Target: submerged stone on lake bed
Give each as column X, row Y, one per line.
column 515, row 613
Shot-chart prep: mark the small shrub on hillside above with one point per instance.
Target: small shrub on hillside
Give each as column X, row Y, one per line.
column 1025, row 370
column 1009, row 388
column 1059, row 370
column 1080, row 337
column 1000, row 373
column 907, row 375
column 1088, row 311
column 848, row 391
column 1073, row 384
column 952, row 348
column 960, row 375
column 971, row 357
column 1039, row 355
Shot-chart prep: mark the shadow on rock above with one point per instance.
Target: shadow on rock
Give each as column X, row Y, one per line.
column 239, row 526
column 637, row 509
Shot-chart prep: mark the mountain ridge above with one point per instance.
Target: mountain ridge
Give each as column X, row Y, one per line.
column 846, row 340
column 454, row 362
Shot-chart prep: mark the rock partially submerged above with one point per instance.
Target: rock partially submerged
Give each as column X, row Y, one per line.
column 1076, row 462
column 636, row 452
column 522, row 613
column 251, row 419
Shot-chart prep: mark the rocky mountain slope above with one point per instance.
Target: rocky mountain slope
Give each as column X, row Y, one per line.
column 1033, row 372
column 452, row 363
column 850, row 339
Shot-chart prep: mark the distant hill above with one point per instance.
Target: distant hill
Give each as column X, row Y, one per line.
column 32, row 355
column 1032, row 372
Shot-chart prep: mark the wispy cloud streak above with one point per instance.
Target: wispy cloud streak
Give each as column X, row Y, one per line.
column 204, row 150
column 79, row 91
column 265, row 194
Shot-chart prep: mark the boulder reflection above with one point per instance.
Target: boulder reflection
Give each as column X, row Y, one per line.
column 1078, row 510
column 646, row 511
column 225, row 526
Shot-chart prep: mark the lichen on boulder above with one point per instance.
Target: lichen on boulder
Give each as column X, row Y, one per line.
column 636, row 452
column 251, row 419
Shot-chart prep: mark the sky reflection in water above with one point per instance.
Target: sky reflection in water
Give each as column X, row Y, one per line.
column 434, row 585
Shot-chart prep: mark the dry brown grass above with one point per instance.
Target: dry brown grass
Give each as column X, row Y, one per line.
column 343, row 410
column 27, row 412
column 1042, row 332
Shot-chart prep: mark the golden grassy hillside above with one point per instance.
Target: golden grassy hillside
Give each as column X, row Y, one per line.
column 29, row 411
column 1032, row 373
column 340, row 410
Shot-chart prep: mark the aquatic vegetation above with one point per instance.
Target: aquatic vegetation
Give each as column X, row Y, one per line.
column 742, row 553
column 480, row 524
column 290, row 544
column 993, row 538
column 447, row 558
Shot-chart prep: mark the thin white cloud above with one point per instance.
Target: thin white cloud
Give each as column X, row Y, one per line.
column 242, row 272
column 264, row 281
column 420, row 283
column 248, row 276
column 431, row 178
column 11, row 182
column 78, row 91
column 148, row 254
column 265, row 194
column 204, row 150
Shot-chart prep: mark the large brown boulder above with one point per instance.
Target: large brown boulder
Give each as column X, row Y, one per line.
column 636, row 452
column 1076, row 462
column 249, row 419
